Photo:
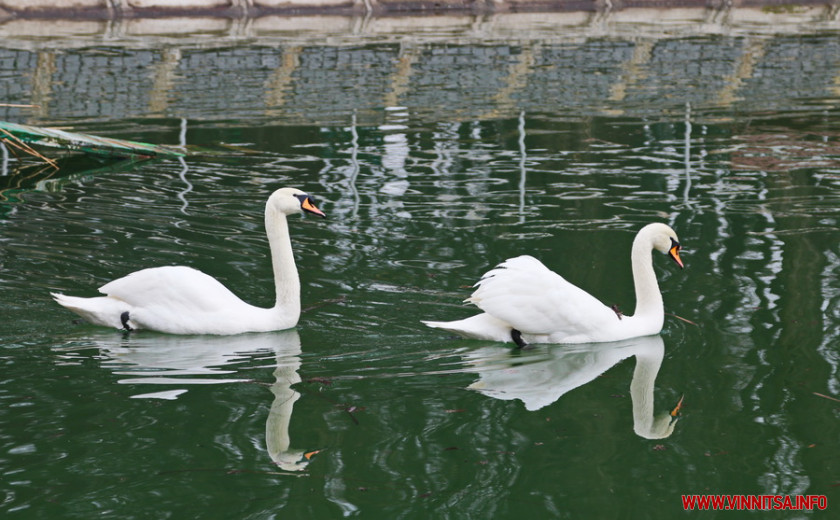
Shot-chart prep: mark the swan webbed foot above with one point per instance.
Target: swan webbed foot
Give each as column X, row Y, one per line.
column 516, row 336
column 124, row 319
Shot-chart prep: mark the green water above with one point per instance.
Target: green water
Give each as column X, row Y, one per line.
column 408, row 422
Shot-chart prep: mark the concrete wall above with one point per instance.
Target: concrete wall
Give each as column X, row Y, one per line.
column 190, row 27
column 209, row 66
column 332, row 70
column 256, row 8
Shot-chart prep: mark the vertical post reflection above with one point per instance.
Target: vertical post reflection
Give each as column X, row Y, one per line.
column 5, row 164
column 687, row 158
column 522, row 172
column 182, row 142
column 354, row 164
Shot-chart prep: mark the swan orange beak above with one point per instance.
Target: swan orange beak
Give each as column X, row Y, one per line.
column 307, row 205
column 674, row 253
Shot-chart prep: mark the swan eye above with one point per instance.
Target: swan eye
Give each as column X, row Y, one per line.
column 307, row 204
column 302, row 197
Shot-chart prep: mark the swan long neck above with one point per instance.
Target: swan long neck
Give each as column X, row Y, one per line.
column 648, row 298
column 277, row 437
column 286, row 279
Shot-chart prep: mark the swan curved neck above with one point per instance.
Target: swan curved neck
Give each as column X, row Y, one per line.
column 648, row 297
column 286, row 280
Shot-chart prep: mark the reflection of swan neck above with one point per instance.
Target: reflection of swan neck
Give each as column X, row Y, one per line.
column 277, row 437
column 286, row 280
column 648, row 297
column 641, row 392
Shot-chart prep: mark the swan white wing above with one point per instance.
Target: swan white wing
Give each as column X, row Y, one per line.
column 179, row 288
column 535, row 300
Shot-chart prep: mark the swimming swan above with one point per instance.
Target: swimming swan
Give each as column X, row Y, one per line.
column 525, row 302
column 183, row 300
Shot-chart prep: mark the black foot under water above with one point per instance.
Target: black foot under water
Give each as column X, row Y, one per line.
column 516, row 336
column 124, row 320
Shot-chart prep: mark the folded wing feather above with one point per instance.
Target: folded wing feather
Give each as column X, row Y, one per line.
column 535, row 300
column 176, row 287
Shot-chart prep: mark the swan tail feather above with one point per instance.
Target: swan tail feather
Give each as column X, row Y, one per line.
column 101, row 310
column 481, row 326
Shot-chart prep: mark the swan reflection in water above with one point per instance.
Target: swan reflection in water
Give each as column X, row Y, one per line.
column 190, row 360
column 542, row 375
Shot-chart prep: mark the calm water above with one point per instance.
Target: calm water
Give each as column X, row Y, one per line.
column 427, row 183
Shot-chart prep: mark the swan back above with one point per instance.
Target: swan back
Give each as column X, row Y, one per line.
column 531, row 298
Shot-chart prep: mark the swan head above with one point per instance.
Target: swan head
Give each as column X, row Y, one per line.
column 290, row 201
column 660, row 427
column 293, row 460
column 664, row 239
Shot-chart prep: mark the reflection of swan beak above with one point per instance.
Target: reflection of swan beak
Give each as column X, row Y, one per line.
column 675, row 413
column 294, row 460
column 309, row 454
column 674, row 252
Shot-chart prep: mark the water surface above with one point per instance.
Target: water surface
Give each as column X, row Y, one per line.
column 433, row 164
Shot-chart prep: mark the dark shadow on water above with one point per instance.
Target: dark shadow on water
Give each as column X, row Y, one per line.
column 21, row 178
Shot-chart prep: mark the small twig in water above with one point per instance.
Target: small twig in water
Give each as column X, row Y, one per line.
column 14, row 142
column 325, row 302
column 826, row 396
column 230, row 472
column 683, row 319
column 348, row 409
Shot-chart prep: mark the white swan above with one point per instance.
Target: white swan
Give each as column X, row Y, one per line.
column 183, row 300
column 523, row 301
